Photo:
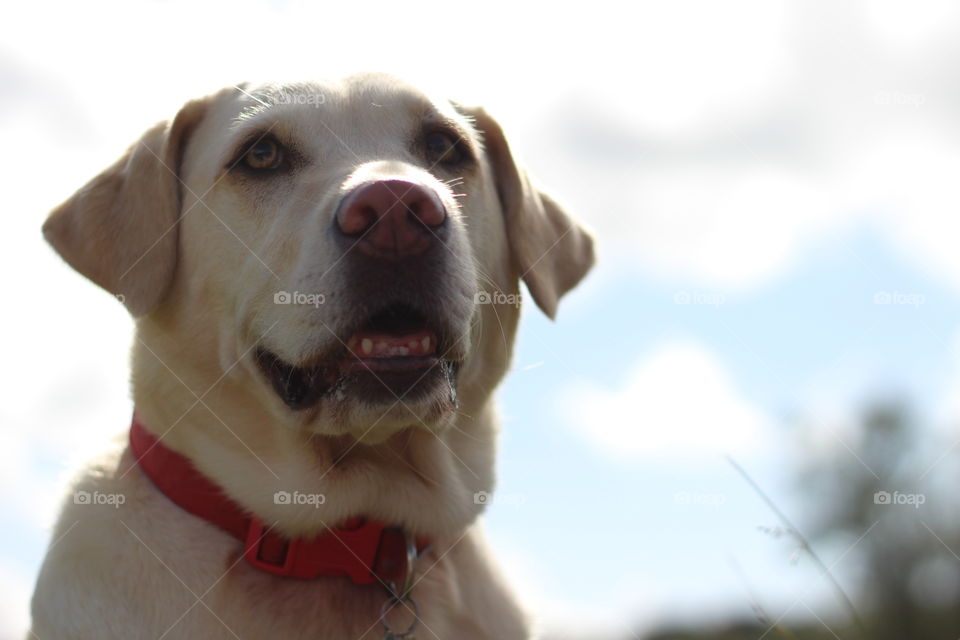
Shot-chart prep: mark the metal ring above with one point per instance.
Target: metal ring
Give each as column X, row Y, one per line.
column 388, row 605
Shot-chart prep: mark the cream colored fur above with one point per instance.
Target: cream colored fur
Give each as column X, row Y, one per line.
column 196, row 256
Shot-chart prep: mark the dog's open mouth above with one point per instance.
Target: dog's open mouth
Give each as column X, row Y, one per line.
column 394, row 356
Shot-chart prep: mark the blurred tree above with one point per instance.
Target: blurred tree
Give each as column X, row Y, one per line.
column 875, row 490
column 877, row 495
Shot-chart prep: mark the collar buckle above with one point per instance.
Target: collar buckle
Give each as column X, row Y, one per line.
column 357, row 551
column 269, row 552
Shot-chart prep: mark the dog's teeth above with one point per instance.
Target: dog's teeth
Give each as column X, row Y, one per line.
column 392, row 347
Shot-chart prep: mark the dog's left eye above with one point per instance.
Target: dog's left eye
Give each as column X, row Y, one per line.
column 264, row 155
column 443, row 148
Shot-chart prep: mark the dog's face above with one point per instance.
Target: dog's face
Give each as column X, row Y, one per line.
column 343, row 244
column 337, row 245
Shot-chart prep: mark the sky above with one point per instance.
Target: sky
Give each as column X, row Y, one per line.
column 774, row 190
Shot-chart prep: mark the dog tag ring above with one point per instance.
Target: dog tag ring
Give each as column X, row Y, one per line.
column 402, row 597
column 389, row 633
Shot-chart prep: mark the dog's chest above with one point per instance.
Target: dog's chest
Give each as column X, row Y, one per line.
column 225, row 597
column 203, row 588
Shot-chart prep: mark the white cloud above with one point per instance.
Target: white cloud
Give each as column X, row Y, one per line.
column 909, row 178
column 845, row 116
column 679, row 400
column 727, row 227
column 666, row 72
column 903, row 25
column 755, row 125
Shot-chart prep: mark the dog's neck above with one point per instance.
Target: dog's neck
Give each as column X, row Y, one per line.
column 364, row 550
column 422, row 481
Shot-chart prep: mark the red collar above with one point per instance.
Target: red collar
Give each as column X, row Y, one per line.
column 364, row 550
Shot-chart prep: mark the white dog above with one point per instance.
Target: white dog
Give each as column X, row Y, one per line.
column 324, row 278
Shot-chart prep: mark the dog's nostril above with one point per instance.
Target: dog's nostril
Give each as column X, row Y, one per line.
column 415, row 213
column 368, row 216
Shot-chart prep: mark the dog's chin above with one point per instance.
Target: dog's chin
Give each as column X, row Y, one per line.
column 388, row 374
column 372, row 424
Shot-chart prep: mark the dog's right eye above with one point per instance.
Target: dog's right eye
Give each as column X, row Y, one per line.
column 264, row 155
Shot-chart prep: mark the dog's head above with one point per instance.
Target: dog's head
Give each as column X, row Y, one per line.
column 353, row 247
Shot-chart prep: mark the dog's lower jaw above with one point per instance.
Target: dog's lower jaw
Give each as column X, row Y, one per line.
column 367, row 421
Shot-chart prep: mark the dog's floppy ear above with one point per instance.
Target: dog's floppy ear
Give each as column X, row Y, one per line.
column 120, row 229
column 551, row 251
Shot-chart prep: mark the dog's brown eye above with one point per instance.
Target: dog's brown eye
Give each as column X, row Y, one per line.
column 264, row 155
column 442, row 148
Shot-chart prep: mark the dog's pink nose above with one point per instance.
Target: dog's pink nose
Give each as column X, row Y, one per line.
column 391, row 218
